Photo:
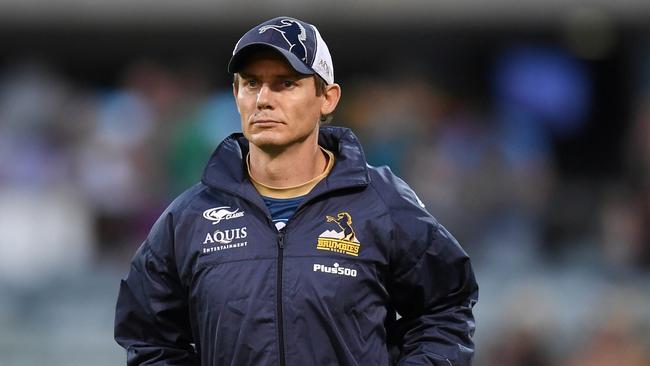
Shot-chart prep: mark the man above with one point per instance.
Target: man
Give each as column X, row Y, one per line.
column 292, row 250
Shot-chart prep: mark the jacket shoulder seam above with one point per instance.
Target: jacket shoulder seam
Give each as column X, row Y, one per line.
column 183, row 200
column 388, row 211
column 383, row 201
column 390, row 215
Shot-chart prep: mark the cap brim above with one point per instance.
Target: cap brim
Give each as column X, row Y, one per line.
column 238, row 59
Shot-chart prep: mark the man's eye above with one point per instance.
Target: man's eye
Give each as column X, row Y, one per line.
column 289, row 83
column 249, row 83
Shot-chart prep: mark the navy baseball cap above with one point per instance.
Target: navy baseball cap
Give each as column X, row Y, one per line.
column 300, row 43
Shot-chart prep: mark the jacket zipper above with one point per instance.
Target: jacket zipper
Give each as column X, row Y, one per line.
column 279, row 296
column 279, row 313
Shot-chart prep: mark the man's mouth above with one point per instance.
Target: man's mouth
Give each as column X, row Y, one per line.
column 265, row 122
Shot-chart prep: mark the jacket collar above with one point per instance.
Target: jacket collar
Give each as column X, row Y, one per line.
column 226, row 169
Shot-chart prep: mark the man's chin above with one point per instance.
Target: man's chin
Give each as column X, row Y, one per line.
column 267, row 140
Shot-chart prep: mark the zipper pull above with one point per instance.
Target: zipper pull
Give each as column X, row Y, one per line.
column 281, row 239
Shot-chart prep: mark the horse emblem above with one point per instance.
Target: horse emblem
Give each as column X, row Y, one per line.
column 293, row 33
column 344, row 221
column 344, row 241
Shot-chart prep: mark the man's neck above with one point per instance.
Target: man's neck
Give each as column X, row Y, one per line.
column 290, row 167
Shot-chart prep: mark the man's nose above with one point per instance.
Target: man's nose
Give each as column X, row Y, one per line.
column 265, row 97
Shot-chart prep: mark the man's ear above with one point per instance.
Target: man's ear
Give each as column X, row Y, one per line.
column 332, row 96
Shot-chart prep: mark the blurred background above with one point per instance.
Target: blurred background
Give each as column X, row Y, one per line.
column 523, row 125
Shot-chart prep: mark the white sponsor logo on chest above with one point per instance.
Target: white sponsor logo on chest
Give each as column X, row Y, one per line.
column 335, row 269
column 217, row 214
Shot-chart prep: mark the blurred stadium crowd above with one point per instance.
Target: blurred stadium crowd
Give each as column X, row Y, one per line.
column 560, row 244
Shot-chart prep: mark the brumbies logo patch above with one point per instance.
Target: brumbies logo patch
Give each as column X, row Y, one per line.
column 344, row 241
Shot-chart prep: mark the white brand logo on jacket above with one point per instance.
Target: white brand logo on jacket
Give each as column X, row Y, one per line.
column 336, row 269
column 225, row 239
column 225, row 236
column 221, row 213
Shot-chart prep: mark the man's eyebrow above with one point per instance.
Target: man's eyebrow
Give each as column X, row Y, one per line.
column 292, row 76
column 245, row 75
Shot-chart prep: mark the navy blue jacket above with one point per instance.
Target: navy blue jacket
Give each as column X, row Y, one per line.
column 215, row 283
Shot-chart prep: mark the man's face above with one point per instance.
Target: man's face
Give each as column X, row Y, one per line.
column 277, row 105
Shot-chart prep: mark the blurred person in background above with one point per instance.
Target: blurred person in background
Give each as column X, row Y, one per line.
column 637, row 154
column 37, row 178
column 292, row 249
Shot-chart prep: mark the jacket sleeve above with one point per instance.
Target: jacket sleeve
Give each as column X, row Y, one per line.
column 432, row 287
column 151, row 317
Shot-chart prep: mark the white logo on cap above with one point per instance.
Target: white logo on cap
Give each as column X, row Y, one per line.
column 293, row 32
column 323, row 64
